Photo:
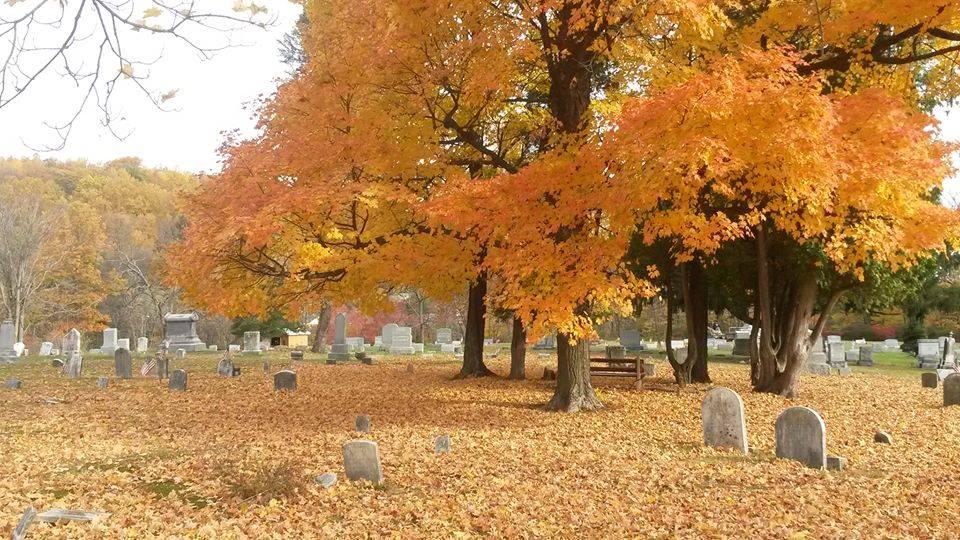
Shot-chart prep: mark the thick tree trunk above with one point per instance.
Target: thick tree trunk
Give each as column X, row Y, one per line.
column 518, row 351
column 573, row 392
column 473, row 365
column 679, row 361
column 320, row 335
column 695, row 311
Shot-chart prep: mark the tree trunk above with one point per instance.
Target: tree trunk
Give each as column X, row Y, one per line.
column 681, row 364
column 695, row 312
column 573, row 392
column 518, row 351
column 323, row 322
column 473, row 365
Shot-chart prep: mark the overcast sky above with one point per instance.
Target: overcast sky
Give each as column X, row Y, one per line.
column 212, row 97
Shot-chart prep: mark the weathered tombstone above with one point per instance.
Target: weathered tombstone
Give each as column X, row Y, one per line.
column 833, row 339
column 163, row 366
column 234, row 348
column 103, row 382
column 817, row 359
column 339, row 350
column 142, row 344
column 802, row 436
column 402, row 342
column 296, row 355
column 836, row 355
column 7, row 341
column 74, row 367
column 444, row 335
column 213, row 348
column 630, row 338
column 386, row 334
column 724, row 421
column 929, row 379
column 928, row 353
column 285, row 380
column 361, row 461
column 251, row 342
column 14, row 384
column 181, row 354
column 71, row 342
column 180, row 329
column 949, row 358
column 109, row 341
column 178, row 380
column 891, row 345
column 123, row 343
column 362, row 424
column 951, row 390
column 836, row 463
column 866, row 355
column 46, row 348
column 225, row 366
column 266, row 366
column 327, row 480
column 123, row 364
column 882, row 437
column 649, row 369
column 441, row 445
column 615, row 352
column 57, row 363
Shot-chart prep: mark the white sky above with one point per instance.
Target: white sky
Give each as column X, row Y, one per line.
column 211, row 98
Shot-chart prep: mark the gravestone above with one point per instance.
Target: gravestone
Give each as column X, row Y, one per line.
column 266, row 366
column 948, row 359
column 356, row 343
column 724, row 421
column 630, row 338
column 46, row 348
column 951, row 390
column 296, row 355
column 143, row 344
column 615, row 352
column 444, row 335
column 836, row 355
column 361, row 461
column 741, row 346
column 74, row 367
column 57, row 363
column 386, row 334
column 928, row 353
column 178, row 380
column 548, row 341
column 235, row 348
column 836, row 463
column 213, row 348
column 402, row 341
column 817, row 359
column 123, row 343
column 14, row 384
column 109, row 341
column 103, row 382
column 882, row 437
column 362, row 424
column 866, row 355
column 285, row 380
column 123, row 364
column 181, row 354
column 327, row 480
column 649, row 369
column 225, row 366
column 71, row 342
column 251, row 342
column 441, row 445
column 180, row 329
column 833, row 339
column 929, row 379
column 163, row 366
column 802, row 436
column 339, row 350
column 891, row 345
column 7, row 341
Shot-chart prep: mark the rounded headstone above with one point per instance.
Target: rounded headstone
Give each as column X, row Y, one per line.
column 441, row 445
column 57, row 363
column 362, row 424
column 361, row 461
column 285, row 380
column 802, row 436
column 882, row 437
column 929, row 379
column 951, row 390
column 724, row 421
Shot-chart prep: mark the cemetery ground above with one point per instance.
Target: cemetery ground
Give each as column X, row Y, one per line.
column 231, row 458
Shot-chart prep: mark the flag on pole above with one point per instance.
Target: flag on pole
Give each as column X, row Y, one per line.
column 148, row 367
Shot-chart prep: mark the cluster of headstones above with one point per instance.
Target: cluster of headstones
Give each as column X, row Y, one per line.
column 951, row 384
column 937, row 353
column 800, row 432
column 398, row 340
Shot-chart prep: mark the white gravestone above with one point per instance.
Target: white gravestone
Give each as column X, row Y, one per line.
column 402, row 341
column 46, row 348
column 724, row 421
column 143, row 344
column 802, row 436
column 123, row 343
column 251, row 343
column 444, row 335
column 109, row 341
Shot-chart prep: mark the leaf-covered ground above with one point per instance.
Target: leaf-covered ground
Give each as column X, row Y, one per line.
column 232, row 459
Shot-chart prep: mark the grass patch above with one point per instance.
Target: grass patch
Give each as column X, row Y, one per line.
column 163, row 488
column 262, row 481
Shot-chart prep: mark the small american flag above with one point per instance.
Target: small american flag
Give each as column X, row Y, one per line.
column 148, row 367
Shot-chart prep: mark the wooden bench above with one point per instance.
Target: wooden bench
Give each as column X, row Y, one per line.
column 617, row 367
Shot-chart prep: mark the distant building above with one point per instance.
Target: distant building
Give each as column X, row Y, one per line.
column 291, row 339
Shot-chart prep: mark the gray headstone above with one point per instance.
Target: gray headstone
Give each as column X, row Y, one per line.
column 71, row 342
column 362, row 424
column 835, row 354
column 724, row 421
column 361, row 461
column 836, row 463
column 801, row 436
column 866, row 355
column 180, row 330
column 444, row 335
column 251, row 342
column 285, row 380
column 74, row 367
column 339, row 350
column 649, row 369
column 123, row 363
column 441, row 445
column 266, row 366
column 14, row 384
column 178, row 380
column 951, row 390
column 616, row 351
column 296, row 355
column 225, row 366
column 929, row 379
column 327, row 480
column 142, row 344
column 7, row 341
column 163, row 366
column 103, row 382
